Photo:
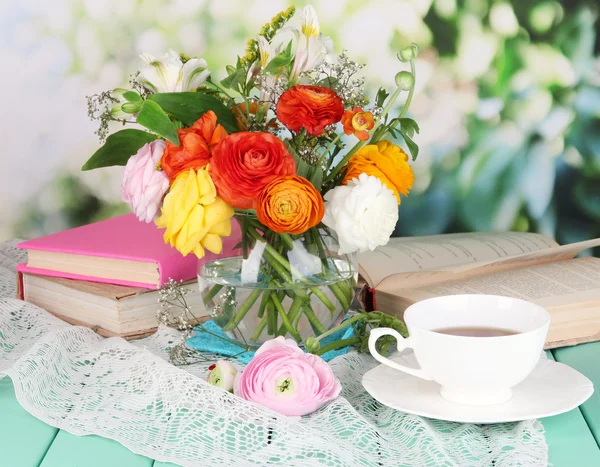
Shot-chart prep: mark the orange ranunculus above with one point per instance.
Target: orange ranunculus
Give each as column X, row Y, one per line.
column 358, row 122
column 387, row 162
column 243, row 163
column 239, row 111
column 309, row 107
column 290, row 205
column 195, row 145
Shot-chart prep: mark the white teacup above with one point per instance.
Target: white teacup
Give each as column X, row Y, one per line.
column 471, row 370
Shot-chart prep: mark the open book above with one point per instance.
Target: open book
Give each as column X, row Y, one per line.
column 522, row 265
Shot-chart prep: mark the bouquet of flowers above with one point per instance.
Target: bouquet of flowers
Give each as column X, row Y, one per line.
column 288, row 145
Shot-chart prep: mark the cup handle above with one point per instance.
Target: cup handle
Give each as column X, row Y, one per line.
column 402, row 344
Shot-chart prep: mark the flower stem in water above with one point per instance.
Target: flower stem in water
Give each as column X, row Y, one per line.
column 286, row 322
column 293, row 313
column 260, row 327
column 243, row 310
column 211, row 294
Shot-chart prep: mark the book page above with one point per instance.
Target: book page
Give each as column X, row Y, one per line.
column 445, row 252
column 395, row 282
column 550, row 285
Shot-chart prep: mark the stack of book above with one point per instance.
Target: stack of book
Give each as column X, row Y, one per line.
column 105, row 275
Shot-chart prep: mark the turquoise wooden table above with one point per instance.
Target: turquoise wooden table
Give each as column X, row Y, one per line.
column 573, row 437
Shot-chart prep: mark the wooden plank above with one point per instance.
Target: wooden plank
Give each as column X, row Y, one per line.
column 24, row 439
column 585, row 358
column 90, row 451
column 570, row 441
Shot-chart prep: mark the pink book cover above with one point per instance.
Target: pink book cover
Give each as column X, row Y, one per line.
column 124, row 237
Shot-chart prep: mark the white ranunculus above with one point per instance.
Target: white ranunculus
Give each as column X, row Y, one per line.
column 363, row 213
column 170, row 74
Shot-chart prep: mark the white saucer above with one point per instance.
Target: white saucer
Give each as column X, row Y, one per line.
column 551, row 389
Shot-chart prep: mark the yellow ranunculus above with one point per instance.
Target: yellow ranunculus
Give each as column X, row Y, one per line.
column 194, row 216
column 387, row 162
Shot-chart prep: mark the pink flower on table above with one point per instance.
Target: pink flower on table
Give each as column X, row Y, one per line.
column 143, row 186
column 285, row 379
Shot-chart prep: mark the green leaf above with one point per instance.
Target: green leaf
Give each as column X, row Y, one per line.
column 587, row 197
column 382, row 95
column 412, row 146
column 153, row 117
column 190, row 106
column 281, row 60
column 409, row 126
column 327, row 82
column 316, row 178
column 234, row 80
column 538, row 177
column 132, row 96
column 302, row 167
column 118, row 148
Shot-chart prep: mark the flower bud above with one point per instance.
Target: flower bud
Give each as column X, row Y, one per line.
column 131, row 107
column 408, row 53
column 405, row 80
column 312, row 345
column 222, row 375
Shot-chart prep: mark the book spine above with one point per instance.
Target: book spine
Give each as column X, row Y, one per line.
column 20, row 290
column 367, row 298
column 66, row 275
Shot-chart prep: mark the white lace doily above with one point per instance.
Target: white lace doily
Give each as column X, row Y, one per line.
column 75, row 380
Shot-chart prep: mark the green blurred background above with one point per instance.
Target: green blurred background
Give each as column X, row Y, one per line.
column 508, row 101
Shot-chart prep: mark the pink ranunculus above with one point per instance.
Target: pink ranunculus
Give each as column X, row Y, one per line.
column 143, row 186
column 285, row 379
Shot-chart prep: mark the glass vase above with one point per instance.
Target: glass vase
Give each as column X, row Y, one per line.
column 296, row 286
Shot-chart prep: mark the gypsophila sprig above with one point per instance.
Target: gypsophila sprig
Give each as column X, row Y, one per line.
column 341, row 78
column 100, row 108
column 175, row 312
column 137, row 86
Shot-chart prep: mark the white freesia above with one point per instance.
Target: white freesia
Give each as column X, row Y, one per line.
column 170, row 74
column 269, row 50
column 311, row 47
column 310, row 21
column 363, row 213
column 311, row 54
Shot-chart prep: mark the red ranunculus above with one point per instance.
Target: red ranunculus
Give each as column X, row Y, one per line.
column 244, row 163
column 195, row 145
column 309, row 107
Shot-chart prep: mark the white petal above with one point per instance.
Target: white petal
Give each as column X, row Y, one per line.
column 194, row 74
column 310, row 21
column 162, row 75
column 266, row 54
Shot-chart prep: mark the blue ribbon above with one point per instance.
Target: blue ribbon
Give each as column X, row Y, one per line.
column 209, row 338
